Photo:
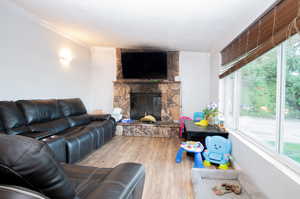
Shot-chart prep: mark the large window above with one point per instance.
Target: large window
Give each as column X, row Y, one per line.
column 258, row 99
column 266, row 99
column 290, row 136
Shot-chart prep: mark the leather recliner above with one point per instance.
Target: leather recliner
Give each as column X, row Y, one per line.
column 28, row 170
column 63, row 124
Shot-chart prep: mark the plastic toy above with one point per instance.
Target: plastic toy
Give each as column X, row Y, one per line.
column 117, row 114
column 148, row 118
column 198, row 116
column 218, row 151
column 192, row 147
column 202, row 123
column 127, row 121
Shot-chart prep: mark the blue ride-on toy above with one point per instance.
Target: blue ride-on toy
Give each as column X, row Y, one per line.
column 218, row 151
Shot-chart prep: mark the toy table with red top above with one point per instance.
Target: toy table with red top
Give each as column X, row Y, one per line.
column 191, row 147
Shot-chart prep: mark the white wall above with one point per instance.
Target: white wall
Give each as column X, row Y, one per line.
column 103, row 75
column 29, row 62
column 30, row 67
column 196, row 79
column 215, row 63
column 271, row 180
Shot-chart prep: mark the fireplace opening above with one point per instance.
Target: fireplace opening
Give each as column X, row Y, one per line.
column 142, row 104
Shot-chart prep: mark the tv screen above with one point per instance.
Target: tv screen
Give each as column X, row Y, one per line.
column 144, row 65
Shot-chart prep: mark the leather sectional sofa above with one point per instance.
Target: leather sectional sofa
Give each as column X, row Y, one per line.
column 38, row 138
column 63, row 124
column 29, row 170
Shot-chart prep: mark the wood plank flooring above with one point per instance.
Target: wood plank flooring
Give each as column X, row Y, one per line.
column 164, row 178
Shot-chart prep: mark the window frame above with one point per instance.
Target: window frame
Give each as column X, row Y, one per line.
column 225, row 108
column 280, row 106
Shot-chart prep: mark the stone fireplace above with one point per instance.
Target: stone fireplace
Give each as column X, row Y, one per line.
column 160, row 98
column 169, row 97
column 142, row 104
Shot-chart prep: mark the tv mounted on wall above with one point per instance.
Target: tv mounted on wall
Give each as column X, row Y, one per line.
column 144, row 65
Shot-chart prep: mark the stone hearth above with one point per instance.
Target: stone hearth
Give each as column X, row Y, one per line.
column 165, row 129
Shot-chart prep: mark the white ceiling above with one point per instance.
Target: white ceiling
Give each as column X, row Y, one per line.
column 196, row 25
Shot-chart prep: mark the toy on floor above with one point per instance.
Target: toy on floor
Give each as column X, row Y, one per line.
column 218, row 151
column 192, row 147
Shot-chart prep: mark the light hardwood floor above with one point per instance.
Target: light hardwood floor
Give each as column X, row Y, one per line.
column 164, row 178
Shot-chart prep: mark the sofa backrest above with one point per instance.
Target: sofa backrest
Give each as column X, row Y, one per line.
column 12, row 118
column 72, row 107
column 37, row 111
column 29, row 163
column 43, row 115
column 50, row 115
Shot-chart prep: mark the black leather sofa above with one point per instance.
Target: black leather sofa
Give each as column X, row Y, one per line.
column 63, row 124
column 28, row 170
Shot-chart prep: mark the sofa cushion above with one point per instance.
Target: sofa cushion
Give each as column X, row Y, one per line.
column 106, row 128
column 37, row 135
column 78, row 120
column 80, row 141
column 95, row 135
column 30, row 163
column 40, row 110
column 11, row 115
column 72, row 107
column 58, row 146
column 18, row 130
column 100, row 117
column 52, row 127
column 79, row 145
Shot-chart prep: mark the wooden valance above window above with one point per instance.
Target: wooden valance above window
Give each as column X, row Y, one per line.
column 276, row 25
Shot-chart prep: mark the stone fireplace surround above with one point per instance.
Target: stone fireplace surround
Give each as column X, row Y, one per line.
column 142, row 104
column 170, row 99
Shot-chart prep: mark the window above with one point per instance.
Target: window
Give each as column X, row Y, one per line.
column 262, row 100
column 229, row 101
column 258, row 99
column 290, row 136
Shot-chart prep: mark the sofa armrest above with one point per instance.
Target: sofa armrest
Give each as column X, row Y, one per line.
column 9, row 192
column 99, row 117
column 124, row 181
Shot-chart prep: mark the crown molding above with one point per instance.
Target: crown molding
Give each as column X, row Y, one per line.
column 51, row 27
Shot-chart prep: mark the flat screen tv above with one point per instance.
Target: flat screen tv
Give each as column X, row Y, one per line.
column 144, row 65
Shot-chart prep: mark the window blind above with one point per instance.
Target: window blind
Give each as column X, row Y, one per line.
column 276, row 25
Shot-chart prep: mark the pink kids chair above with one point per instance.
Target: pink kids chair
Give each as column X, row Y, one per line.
column 182, row 118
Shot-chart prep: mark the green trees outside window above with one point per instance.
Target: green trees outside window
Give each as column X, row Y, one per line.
column 258, row 98
column 268, row 99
